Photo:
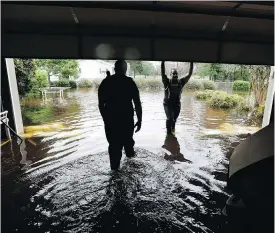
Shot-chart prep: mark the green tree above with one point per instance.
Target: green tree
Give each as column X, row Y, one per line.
column 147, row 68
column 236, row 72
column 225, row 71
column 63, row 68
column 142, row 68
column 25, row 72
column 40, row 80
column 213, row 70
column 136, row 67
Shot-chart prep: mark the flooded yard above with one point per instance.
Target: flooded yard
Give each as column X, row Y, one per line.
column 59, row 180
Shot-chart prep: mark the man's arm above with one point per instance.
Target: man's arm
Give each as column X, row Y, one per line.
column 163, row 75
column 138, row 107
column 187, row 77
column 101, row 99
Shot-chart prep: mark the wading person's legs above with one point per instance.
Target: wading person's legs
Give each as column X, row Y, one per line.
column 115, row 145
column 128, row 141
column 169, row 118
column 176, row 115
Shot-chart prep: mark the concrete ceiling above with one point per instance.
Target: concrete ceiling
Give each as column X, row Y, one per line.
column 224, row 32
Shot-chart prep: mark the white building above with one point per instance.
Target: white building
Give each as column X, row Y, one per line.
column 94, row 69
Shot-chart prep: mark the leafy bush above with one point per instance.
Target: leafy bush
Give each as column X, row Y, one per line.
column 149, row 83
column 140, row 82
column 194, row 84
column 72, row 83
column 96, row 82
column 84, row 83
column 154, row 84
column 257, row 115
column 64, row 83
column 203, row 95
column 244, row 106
column 40, row 80
column 240, row 85
column 209, row 85
column 236, row 99
column 221, row 99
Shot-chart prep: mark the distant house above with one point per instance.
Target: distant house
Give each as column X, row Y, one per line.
column 94, row 69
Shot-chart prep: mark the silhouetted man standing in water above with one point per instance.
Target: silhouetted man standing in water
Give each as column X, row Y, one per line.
column 173, row 89
column 115, row 95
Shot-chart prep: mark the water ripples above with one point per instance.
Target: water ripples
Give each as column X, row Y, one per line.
column 147, row 193
column 68, row 187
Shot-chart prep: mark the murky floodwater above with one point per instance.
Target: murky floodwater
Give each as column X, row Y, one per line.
column 59, row 179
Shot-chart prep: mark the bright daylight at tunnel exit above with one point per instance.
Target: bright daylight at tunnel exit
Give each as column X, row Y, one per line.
column 157, row 128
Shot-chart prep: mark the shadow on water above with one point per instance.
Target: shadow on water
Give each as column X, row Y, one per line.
column 172, row 147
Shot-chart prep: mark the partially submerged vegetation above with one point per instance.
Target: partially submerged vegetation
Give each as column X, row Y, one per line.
column 152, row 83
column 155, row 83
column 204, row 95
column 220, row 99
column 223, row 100
column 64, row 83
column 256, row 116
column 84, row 83
column 209, row 85
column 240, row 85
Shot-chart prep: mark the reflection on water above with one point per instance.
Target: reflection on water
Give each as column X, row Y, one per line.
column 59, row 179
column 172, row 147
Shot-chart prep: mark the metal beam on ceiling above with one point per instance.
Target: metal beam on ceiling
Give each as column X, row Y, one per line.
column 261, row 3
column 188, row 34
column 148, row 7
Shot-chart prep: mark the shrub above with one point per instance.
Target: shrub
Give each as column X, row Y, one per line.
column 240, row 85
column 221, row 99
column 85, row 83
column 154, row 84
column 96, row 82
column 194, row 84
column 64, row 83
column 72, row 83
column 149, row 83
column 203, row 95
column 236, row 99
column 140, row 82
column 40, row 80
column 256, row 116
column 209, row 85
column 244, row 106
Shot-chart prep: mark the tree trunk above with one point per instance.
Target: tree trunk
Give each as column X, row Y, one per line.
column 259, row 84
column 49, row 80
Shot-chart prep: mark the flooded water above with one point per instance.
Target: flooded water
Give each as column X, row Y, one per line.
column 58, row 179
